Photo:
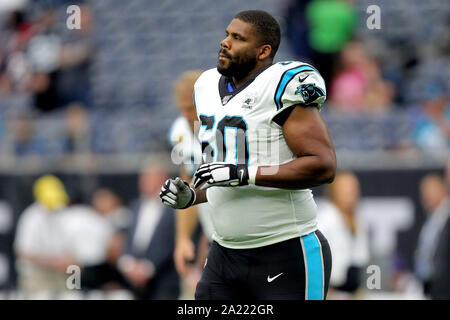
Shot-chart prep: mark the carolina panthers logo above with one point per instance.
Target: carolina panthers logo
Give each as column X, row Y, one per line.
column 309, row 92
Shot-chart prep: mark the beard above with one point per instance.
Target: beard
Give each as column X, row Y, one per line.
column 237, row 67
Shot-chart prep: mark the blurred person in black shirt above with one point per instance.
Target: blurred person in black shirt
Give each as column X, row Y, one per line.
column 148, row 259
column 43, row 53
column 432, row 253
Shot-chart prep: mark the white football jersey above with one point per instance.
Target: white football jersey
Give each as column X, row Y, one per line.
column 244, row 126
column 187, row 150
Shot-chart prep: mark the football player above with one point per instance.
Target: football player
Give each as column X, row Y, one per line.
column 265, row 144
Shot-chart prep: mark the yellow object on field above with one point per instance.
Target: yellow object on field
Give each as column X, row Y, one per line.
column 50, row 192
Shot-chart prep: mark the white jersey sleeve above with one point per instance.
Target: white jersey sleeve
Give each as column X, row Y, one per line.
column 299, row 84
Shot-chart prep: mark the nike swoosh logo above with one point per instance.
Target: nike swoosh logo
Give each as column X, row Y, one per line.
column 242, row 174
column 269, row 279
column 301, row 80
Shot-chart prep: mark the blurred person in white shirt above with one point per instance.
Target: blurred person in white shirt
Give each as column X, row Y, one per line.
column 41, row 244
column 108, row 205
column 92, row 242
column 340, row 223
column 53, row 235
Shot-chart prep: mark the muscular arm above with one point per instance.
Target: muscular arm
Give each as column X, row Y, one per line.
column 307, row 136
column 201, row 197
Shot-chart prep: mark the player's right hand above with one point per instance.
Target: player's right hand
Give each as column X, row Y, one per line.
column 177, row 194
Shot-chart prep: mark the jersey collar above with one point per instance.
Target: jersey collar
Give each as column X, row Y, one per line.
column 226, row 87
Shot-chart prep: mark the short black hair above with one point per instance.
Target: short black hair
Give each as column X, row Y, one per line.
column 266, row 27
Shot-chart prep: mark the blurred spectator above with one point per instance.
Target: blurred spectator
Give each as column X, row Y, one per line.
column 75, row 59
column 52, row 236
column 59, row 60
column 108, row 203
column 90, row 236
column 6, row 233
column 148, row 260
column 41, row 243
column 447, row 175
column 10, row 5
column 297, row 29
column 339, row 221
column 95, row 245
column 440, row 284
column 358, row 84
column 14, row 67
column 432, row 253
column 23, row 138
column 22, row 29
column 183, row 93
column 432, row 119
column 331, row 24
column 5, row 81
column 77, row 131
column 43, row 54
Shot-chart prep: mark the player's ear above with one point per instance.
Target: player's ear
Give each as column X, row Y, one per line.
column 264, row 51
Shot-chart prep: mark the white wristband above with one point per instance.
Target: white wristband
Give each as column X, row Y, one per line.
column 252, row 170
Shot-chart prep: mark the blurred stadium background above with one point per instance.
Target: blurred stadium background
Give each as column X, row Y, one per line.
column 93, row 106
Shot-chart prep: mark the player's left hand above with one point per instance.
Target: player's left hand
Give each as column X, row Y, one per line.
column 220, row 174
column 177, row 193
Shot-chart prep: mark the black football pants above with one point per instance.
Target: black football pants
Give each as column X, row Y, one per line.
column 298, row 268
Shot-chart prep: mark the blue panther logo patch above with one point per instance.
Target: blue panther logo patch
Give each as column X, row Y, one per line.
column 309, row 92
